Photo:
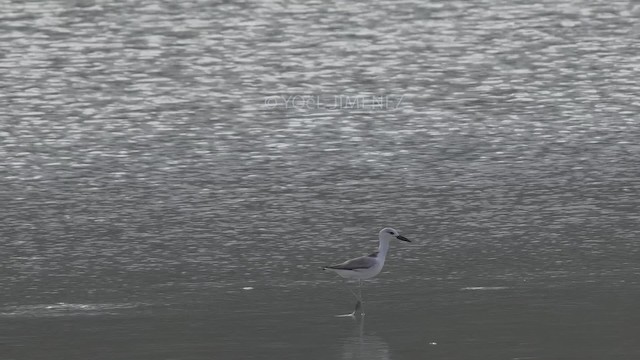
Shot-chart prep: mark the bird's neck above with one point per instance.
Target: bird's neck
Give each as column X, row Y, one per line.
column 383, row 247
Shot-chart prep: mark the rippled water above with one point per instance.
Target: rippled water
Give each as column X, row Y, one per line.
column 174, row 175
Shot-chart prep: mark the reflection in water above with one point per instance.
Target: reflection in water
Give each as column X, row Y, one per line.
column 365, row 346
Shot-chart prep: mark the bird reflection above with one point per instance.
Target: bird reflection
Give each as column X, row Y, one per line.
column 360, row 346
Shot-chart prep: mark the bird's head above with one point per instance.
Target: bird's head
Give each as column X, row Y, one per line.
column 389, row 234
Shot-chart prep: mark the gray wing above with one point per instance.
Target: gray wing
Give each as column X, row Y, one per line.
column 364, row 262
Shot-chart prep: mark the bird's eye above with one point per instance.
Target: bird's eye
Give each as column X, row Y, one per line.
column 391, row 232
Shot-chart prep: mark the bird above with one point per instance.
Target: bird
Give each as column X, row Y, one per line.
column 366, row 267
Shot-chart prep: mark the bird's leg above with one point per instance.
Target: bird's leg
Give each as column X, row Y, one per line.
column 358, row 307
column 360, row 301
column 358, row 304
column 354, row 294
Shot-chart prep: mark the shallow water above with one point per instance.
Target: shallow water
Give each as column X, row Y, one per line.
column 175, row 174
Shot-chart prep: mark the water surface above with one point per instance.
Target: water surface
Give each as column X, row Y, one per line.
column 158, row 203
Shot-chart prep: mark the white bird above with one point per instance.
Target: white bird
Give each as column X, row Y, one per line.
column 366, row 267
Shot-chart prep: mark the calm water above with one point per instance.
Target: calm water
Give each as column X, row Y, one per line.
column 174, row 175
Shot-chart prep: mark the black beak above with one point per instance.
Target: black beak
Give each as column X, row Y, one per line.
column 400, row 237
